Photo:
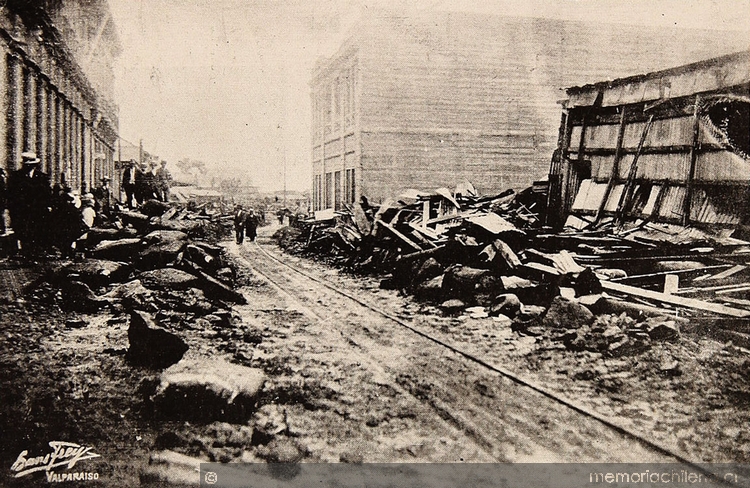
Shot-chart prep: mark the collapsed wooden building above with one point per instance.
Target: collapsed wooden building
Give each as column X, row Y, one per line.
column 672, row 146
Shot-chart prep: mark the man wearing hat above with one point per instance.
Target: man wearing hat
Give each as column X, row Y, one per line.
column 103, row 198
column 129, row 178
column 29, row 202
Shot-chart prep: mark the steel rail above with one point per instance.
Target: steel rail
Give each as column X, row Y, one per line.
column 561, row 399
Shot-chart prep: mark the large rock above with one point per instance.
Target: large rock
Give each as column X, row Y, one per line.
column 567, row 314
column 171, row 469
column 662, row 330
column 132, row 294
column 150, row 345
column 154, row 208
column 78, row 297
column 453, row 306
column 168, row 279
column 119, row 250
column 461, row 281
column 96, row 272
column 205, row 390
column 506, row 304
column 431, row 290
column 428, row 270
column 162, row 248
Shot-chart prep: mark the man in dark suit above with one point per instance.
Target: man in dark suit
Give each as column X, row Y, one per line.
column 29, row 203
column 240, row 220
column 129, row 177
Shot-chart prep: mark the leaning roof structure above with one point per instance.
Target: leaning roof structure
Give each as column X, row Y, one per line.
column 670, row 146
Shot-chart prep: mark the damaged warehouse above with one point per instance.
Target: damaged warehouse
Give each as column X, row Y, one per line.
column 670, row 146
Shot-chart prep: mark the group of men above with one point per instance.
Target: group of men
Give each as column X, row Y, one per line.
column 43, row 217
column 245, row 224
column 146, row 182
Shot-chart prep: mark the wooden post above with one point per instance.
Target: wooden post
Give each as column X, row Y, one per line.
column 628, row 190
column 615, row 168
column 693, row 158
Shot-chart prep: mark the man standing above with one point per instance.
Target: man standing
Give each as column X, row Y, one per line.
column 103, row 198
column 29, row 202
column 251, row 224
column 163, row 181
column 240, row 220
column 128, row 182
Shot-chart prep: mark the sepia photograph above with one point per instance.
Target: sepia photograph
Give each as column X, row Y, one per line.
column 382, row 243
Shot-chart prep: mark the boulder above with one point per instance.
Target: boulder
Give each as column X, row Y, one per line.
column 453, row 306
column 428, row 270
column 206, row 390
column 154, row 208
column 567, row 314
column 162, row 248
column 96, row 272
column 132, row 294
column 430, row 290
column 506, row 304
column 587, row 283
column 78, row 297
column 150, row 345
column 461, row 281
column 119, row 250
column 540, row 294
column 201, row 257
column 168, row 279
column 662, row 330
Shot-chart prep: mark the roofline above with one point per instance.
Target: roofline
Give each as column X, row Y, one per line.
column 677, row 70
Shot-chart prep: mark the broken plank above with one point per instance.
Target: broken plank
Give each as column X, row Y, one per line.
column 724, row 274
column 399, row 235
column 671, row 284
column 675, row 300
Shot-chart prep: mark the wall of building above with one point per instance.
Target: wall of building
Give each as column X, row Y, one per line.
column 52, row 108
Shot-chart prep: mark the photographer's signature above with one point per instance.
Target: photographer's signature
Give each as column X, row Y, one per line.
column 65, row 454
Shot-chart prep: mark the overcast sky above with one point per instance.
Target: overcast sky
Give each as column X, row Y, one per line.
column 227, row 81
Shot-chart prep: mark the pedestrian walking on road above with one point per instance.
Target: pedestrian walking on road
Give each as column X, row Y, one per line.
column 251, row 225
column 240, row 220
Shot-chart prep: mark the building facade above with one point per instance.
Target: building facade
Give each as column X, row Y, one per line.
column 428, row 100
column 57, row 69
column 670, row 146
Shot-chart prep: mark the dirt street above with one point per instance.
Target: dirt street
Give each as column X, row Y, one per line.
column 346, row 384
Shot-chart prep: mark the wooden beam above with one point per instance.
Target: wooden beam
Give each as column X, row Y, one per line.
column 399, row 235
column 629, row 189
column 675, row 300
column 615, row 167
column 724, row 274
column 693, row 158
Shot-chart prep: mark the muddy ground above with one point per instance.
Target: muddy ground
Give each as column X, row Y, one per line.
column 344, row 386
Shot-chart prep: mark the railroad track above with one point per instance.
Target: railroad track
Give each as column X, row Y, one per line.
column 550, row 422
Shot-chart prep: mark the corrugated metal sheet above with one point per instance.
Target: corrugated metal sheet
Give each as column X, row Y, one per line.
column 673, row 202
column 614, row 198
column 493, row 223
column 721, row 166
column 589, row 195
column 651, row 202
column 716, row 206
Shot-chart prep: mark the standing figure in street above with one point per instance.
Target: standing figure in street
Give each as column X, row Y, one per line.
column 240, row 220
column 3, row 200
column 142, row 184
column 163, row 181
column 103, row 199
column 251, row 225
column 29, row 202
column 129, row 179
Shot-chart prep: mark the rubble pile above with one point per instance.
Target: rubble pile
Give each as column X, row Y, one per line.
column 612, row 288
column 159, row 269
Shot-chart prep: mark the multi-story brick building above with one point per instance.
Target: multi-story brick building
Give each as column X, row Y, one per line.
column 58, row 77
column 425, row 101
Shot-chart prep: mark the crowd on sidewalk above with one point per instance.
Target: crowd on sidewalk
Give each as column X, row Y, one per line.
column 46, row 218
